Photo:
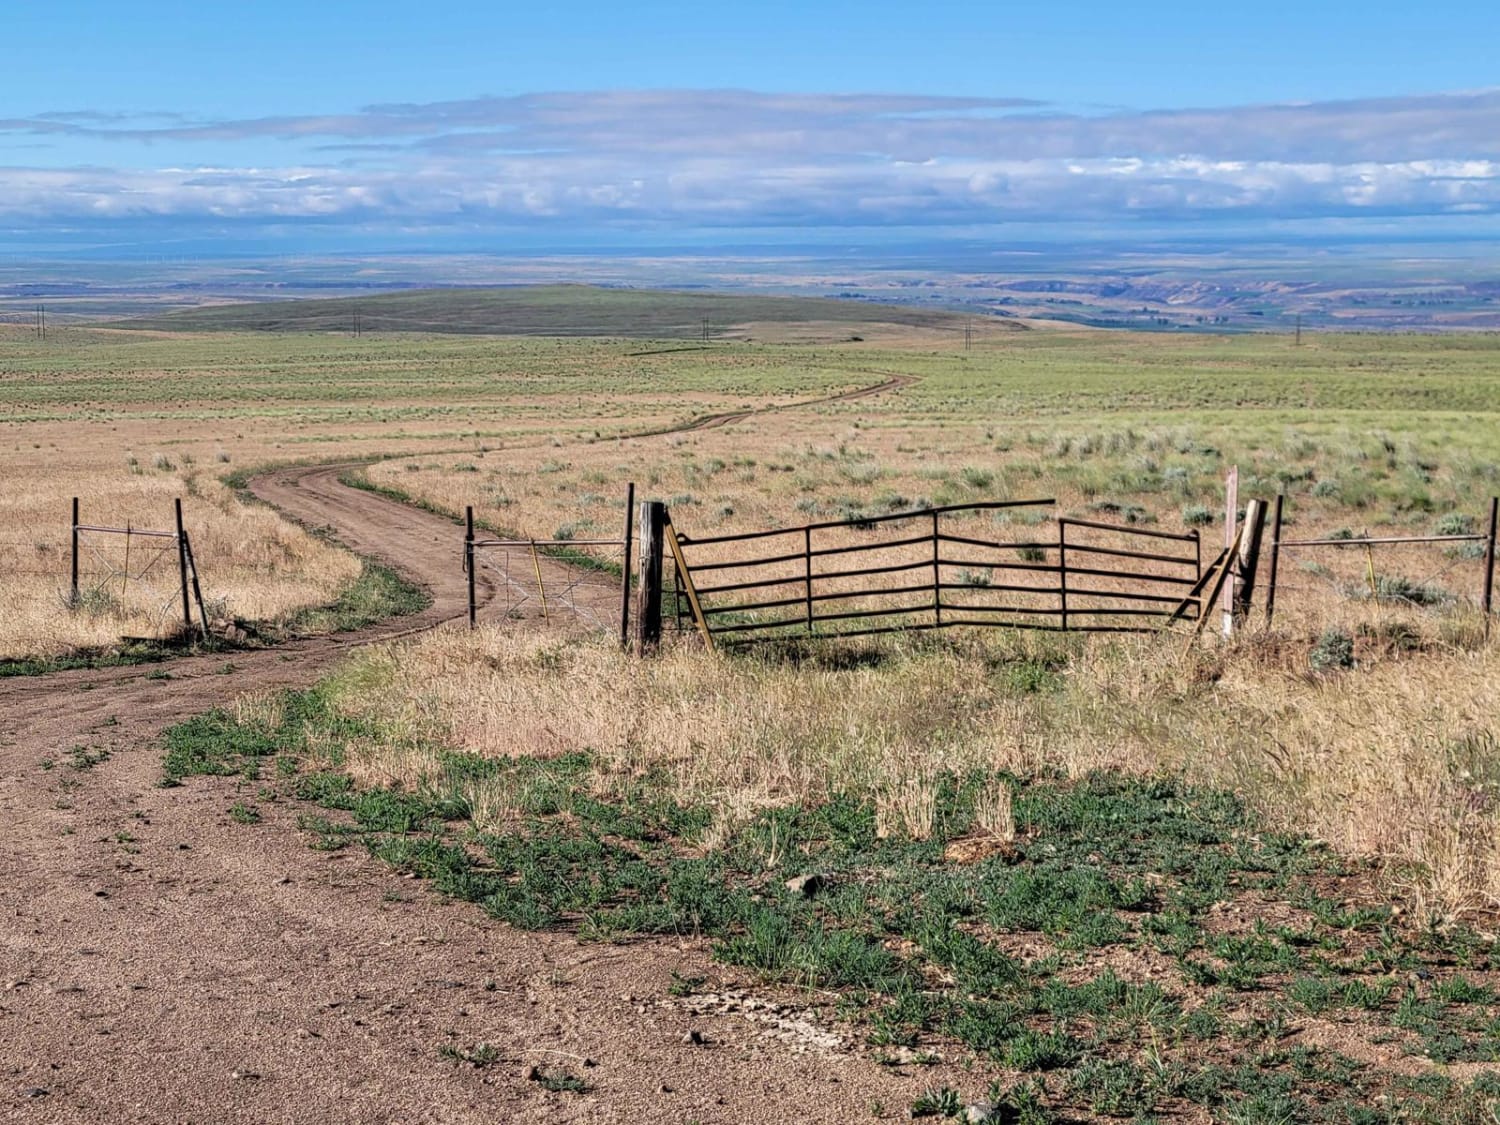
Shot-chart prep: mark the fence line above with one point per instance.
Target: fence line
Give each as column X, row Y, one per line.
column 1487, row 538
column 939, row 579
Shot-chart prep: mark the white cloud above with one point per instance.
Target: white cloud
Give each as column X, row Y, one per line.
column 733, row 157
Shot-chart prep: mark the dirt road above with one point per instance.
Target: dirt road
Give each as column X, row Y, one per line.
column 161, row 962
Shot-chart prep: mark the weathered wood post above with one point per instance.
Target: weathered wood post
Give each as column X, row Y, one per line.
column 1231, row 520
column 182, row 570
column 1249, row 558
column 469, row 562
column 197, row 588
column 625, row 567
column 653, row 519
column 1275, row 557
column 73, row 597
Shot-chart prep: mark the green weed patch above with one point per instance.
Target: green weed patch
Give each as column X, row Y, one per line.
column 1142, row 948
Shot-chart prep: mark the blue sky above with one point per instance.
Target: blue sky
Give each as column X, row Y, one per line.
column 377, row 124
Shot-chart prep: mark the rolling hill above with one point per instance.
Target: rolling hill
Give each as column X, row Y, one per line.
column 553, row 310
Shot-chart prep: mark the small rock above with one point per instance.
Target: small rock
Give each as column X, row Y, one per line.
column 805, row 885
column 283, row 881
column 664, row 1089
column 243, row 1075
column 38, row 1092
column 693, row 1038
column 977, row 1113
column 530, row 1073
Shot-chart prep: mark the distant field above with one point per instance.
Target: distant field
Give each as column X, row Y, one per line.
column 552, row 310
column 1057, row 766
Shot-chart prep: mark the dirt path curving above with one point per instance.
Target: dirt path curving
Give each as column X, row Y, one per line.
column 161, row 962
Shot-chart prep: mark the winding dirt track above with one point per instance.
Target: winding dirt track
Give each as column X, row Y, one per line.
column 160, row 962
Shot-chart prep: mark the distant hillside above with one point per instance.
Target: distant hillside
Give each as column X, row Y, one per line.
column 552, row 310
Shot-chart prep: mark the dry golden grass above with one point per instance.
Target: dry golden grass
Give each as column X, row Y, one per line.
column 253, row 564
column 1398, row 760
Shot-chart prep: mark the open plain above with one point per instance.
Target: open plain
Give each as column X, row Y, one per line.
column 376, row 867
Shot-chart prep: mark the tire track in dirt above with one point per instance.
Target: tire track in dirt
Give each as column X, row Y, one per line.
column 161, row 962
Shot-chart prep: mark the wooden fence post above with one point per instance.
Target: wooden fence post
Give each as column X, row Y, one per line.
column 187, row 608
column 625, row 568
column 1488, row 600
column 653, row 519
column 1275, row 557
column 1231, row 519
column 469, row 562
column 73, row 599
column 1249, row 557
column 197, row 588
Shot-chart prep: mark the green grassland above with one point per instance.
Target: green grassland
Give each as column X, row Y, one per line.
column 1141, row 948
column 548, row 310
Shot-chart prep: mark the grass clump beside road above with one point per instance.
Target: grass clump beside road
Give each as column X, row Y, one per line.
column 1105, row 942
column 376, row 594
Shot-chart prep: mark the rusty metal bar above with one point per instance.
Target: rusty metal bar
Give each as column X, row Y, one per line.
column 984, row 506
column 801, row 599
column 1365, row 542
column 997, row 544
column 807, row 570
column 1127, row 529
column 544, row 544
column 1195, row 594
column 937, row 572
column 1062, row 569
column 1225, row 565
column 1116, row 553
column 1165, row 579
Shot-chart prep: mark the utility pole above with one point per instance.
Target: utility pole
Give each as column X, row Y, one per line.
column 968, row 334
column 705, row 329
column 1298, row 342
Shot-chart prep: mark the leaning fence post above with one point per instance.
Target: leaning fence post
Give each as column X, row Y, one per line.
column 1231, row 519
column 197, row 589
column 653, row 519
column 469, row 562
column 625, row 568
column 1275, row 557
column 1249, row 557
column 1488, row 600
column 73, row 599
column 187, row 608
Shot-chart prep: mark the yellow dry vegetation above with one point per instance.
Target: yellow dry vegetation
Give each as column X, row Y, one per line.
column 1398, row 762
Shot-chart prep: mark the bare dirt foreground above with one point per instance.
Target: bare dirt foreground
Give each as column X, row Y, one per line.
column 161, row 962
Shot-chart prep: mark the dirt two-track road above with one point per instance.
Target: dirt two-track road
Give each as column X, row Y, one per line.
column 160, row 962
